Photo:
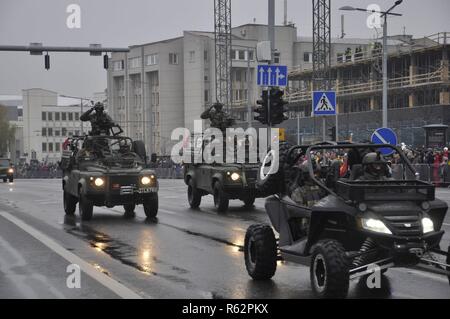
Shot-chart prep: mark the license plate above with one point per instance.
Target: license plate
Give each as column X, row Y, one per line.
column 147, row 190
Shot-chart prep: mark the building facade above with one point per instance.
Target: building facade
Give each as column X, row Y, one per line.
column 160, row 86
column 47, row 124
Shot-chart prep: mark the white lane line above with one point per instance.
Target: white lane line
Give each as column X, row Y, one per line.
column 90, row 270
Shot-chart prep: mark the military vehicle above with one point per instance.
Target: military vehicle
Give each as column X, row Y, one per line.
column 346, row 224
column 6, row 170
column 107, row 171
column 225, row 181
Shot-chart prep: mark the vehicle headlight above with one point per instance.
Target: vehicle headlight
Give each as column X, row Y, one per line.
column 427, row 225
column 145, row 180
column 10, row 171
column 375, row 225
column 99, row 182
column 235, row 176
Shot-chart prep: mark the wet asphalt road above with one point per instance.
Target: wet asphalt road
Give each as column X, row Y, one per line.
column 186, row 254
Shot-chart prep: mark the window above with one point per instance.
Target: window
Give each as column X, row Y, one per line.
column 50, row 131
column 238, row 76
column 63, row 116
column 77, row 133
column 307, row 57
column 205, row 56
column 241, row 55
column 44, row 116
column 152, row 59
column 44, row 147
column 191, row 56
column 173, row 58
column 118, row 65
column 64, row 131
column 70, row 116
column 57, row 132
column 50, row 116
column 276, row 58
column 70, row 133
column 77, row 116
column 206, row 95
column 50, row 147
column 134, row 62
column 251, row 55
column 206, row 78
column 56, row 116
column 44, row 131
column 57, row 147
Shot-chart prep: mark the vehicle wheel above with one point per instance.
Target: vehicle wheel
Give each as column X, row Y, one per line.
column 329, row 270
column 221, row 200
column 274, row 183
column 86, row 208
column 11, row 179
column 5, row 180
column 70, row 203
column 194, row 196
column 151, row 206
column 249, row 201
column 260, row 252
column 129, row 210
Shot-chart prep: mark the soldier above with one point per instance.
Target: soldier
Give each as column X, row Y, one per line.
column 305, row 191
column 101, row 123
column 218, row 117
column 375, row 168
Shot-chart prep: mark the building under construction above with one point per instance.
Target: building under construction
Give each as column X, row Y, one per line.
column 419, row 90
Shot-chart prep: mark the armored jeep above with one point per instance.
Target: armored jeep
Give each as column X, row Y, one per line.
column 224, row 181
column 107, row 171
column 6, row 170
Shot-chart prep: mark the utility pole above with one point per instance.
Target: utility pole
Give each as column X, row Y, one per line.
column 385, row 74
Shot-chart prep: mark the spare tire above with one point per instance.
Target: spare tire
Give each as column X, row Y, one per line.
column 139, row 148
column 274, row 182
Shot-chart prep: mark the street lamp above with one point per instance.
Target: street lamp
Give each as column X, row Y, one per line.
column 383, row 14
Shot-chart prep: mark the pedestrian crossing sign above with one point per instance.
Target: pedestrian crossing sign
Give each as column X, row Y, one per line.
column 324, row 103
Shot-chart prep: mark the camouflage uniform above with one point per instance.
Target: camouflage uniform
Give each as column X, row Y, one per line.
column 218, row 117
column 101, row 122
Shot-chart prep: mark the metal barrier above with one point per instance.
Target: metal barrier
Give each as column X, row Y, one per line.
column 438, row 174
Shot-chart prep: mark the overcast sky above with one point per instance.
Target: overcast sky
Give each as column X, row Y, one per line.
column 128, row 22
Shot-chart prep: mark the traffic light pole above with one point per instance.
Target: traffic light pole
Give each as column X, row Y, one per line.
column 271, row 36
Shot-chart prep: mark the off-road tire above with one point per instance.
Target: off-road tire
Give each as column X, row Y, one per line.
column 11, row 179
column 221, row 200
column 86, row 208
column 151, row 206
column 260, row 252
column 329, row 270
column 129, row 210
column 194, row 196
column 275, row 183
column 69, row 203
column 5, row 180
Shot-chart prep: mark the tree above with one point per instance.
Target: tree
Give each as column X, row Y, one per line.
column 7, row 132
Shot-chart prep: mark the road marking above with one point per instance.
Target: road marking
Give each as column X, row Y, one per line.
column 90, row 270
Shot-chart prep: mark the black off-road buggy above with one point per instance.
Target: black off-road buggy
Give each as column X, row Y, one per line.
column 351, row 227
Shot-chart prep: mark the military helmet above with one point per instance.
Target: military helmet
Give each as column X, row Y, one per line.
column 375, row 164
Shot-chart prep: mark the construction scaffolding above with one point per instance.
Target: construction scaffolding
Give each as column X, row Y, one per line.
column 222, row 38
column 321, row 43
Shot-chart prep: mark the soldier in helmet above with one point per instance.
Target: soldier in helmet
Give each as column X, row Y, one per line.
column 218, row 117
column 375, row 168
column 101, row 123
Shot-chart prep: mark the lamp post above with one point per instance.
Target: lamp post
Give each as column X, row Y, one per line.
column 383, row 14
column 81, row 107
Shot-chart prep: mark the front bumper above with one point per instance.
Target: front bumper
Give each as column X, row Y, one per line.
column 123, row 197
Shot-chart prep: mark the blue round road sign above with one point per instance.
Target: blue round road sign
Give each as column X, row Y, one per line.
column 385, row 136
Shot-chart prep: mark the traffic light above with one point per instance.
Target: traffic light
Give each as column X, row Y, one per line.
column 47, row 61
column 278, row 107
column 105, row 61
column 332, row 134
column 263, row 109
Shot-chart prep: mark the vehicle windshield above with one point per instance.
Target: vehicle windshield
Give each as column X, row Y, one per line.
column 4, row 162
column 107, row 151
